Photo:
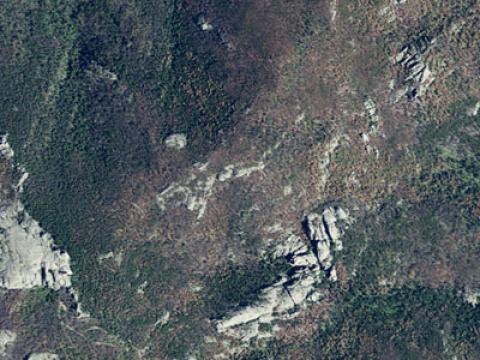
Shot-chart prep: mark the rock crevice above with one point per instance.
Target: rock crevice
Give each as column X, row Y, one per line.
column 309, row 265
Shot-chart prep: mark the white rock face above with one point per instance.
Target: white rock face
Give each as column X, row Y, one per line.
column 176, row 141
column 28, row 256
column 472, row 297
column 196, row 190
column 5, row 149
column 205, row 24
column 43, row 356
column 473, row 111
column 280, row 301
column 296, row 289
column 7, row 338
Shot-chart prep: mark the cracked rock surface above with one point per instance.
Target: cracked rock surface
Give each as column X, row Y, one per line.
column 28, row 255
column 309, row 264
column 418, row 75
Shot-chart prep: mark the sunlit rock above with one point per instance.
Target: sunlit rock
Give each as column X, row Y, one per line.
column 7, row 338
column 176, row 141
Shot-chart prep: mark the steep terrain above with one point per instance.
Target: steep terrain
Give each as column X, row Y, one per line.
column 240, row 179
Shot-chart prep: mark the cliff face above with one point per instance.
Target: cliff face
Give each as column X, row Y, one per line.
column 28, row 255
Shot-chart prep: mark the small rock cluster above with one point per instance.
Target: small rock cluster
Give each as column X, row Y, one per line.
column 195, row 191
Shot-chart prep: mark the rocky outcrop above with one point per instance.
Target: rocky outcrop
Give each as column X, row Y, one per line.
column 195, row 191
column 473, row 111
column 28, row 255
column 5, row 150
column 310, row 263
column 7, row 338
column 472, row 296
column 371, row 113
column 325, row 161
column 176, row 141
column 43, row 356
column 324, row 232
column 417, row 75
column 283, row 299
column 204, row 23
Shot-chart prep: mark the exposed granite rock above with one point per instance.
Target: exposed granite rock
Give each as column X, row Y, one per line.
column 418, row 76
column 473, row 111
column 283, row 299
column 5, row 150
column 176, row 141
column 28, row 256
column 472, row 297
column 200, row 185
column 388, row 12
column 372, row 114
column 105, row 256
column 324, row 232
column 7, row 338
column 309, row 264
column 98, row 72
column 43, row 356
column 325, row 161
column 204, row 24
